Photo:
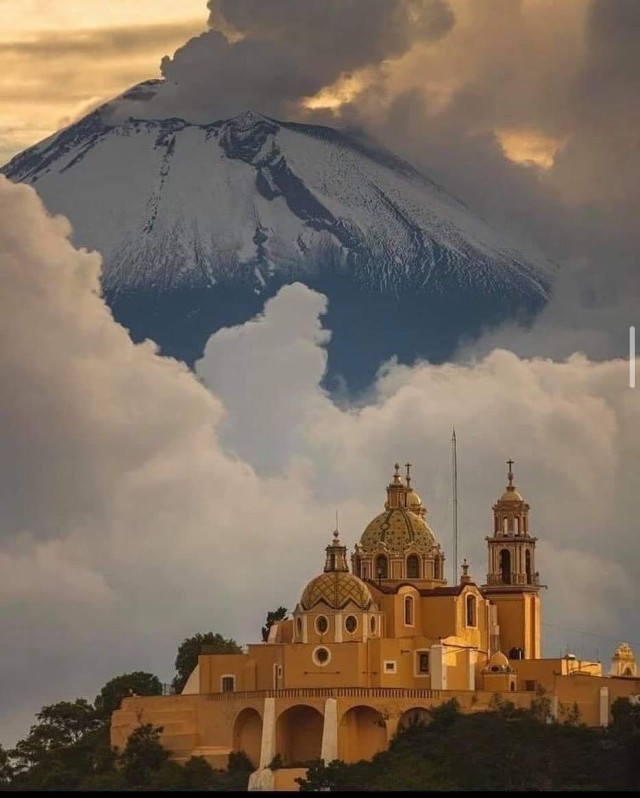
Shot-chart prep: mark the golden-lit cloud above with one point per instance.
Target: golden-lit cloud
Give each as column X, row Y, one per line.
column 56, row 65
column 530, row 147
column 342, row 91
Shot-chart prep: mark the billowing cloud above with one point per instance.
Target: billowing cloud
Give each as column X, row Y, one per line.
column 269, row 57
column 139, row 507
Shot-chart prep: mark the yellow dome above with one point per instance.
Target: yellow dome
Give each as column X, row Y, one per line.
column 511, row 495
column 398, row 529
column 413, row 500
column 336, row 589
column 498, row 662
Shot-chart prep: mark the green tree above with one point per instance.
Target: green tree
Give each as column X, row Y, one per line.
column 272, row 617
column 60, row 726
column 541, row 705
column 191, row 647
column 59, row 749
column 136, row 683
column 6, row 770
column 143, row 755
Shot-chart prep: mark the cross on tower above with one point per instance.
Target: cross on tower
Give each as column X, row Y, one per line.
column 408, row 467
column 510, row 474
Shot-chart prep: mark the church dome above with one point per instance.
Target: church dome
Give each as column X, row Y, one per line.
column 414, row 502
column 335, row 590
column 498, row 663
column 398, row 529
column 511, row 495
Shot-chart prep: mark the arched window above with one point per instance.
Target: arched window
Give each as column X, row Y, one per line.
column 382, row 567
column 356, row 566
column 505, row 566
column 413, row 567
column 517, row 525
column 471, row 611
column 505, row 527
column 408, row 610
column 527, row 566
column 299, row 626
column 437, row 568
column 372, row 624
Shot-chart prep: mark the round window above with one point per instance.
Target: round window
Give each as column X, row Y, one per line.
column 351, row 624
column 372, row 624
column 322, row 624
column 321, row 656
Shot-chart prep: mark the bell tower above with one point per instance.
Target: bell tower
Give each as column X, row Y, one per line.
column 513, row 584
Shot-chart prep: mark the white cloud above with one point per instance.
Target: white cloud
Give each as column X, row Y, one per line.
column 138, row 508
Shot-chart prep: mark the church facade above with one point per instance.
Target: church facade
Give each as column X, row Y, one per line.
column 376, row 639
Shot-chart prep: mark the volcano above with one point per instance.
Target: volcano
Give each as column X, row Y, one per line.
column 198, row 224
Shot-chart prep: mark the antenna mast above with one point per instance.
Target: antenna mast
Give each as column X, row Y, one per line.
column 454, row 477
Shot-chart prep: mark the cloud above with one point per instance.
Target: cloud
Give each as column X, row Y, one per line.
column 140, row 507
column 268, row 57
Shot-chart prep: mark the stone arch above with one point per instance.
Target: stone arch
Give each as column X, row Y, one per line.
column 299, row 734
column 362, row 734
column 413, row 717
column 247, row 734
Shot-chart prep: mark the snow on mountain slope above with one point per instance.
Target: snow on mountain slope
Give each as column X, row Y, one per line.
column 173, row 205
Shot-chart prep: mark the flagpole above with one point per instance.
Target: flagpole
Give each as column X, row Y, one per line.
column 454, row 477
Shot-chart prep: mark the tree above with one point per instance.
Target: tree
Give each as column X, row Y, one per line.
column 138, row 683
column 143, row 755
column 6, row 771
column 60, row 727
column 272, row 617
column 191, row 647
column 59, row 749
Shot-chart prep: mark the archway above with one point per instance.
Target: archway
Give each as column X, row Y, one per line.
column 527, row 565
column 247, row 734
column 362, row 734
column 413, row 567
column 299, row 734
column 505, row 566
column 414, row 717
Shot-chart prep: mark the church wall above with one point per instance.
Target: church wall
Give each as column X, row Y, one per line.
column 519, row 622
column 267, row 658
column 439, row 614
column 213, row 667
column 343, row 668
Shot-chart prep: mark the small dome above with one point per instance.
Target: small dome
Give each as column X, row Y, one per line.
column 414, row 502
column 498, row 662
column 511, row 495
column 398, row 529
column 336, row 589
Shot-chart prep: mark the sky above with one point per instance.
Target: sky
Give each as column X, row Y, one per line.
column 142, row 503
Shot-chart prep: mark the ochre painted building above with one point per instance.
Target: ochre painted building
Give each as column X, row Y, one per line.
column 370, row 648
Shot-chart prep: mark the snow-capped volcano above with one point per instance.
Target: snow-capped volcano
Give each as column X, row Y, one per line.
column 171, row 204
column 247, row 204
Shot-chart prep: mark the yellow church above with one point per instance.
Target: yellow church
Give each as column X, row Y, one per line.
column 369, row 648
